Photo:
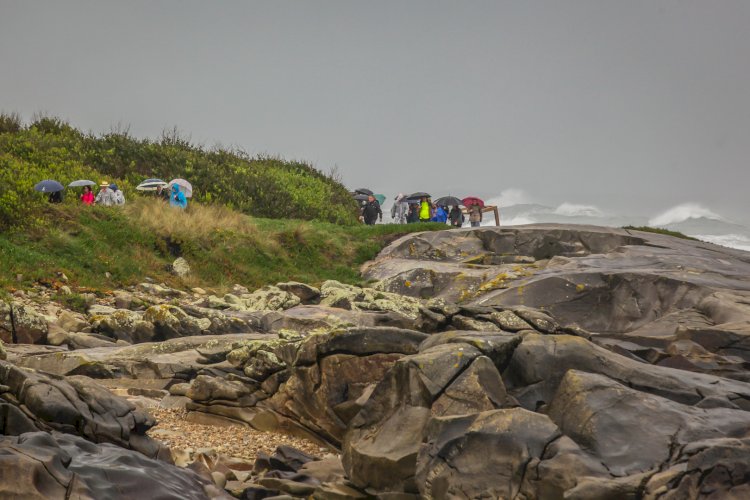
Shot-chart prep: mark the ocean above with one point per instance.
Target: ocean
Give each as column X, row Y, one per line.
column 691, row 219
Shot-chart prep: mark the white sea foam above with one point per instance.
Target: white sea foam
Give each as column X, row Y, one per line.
column 575, row 210
column 738, row 241
column 516, row 221
column 509, row 197
column 681, row 213
column 692, row 219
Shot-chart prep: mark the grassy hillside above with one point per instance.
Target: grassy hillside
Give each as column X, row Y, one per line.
column 262, row 186
column 222, row 246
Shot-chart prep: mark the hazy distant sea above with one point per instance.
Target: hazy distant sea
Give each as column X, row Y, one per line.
column 690, row 219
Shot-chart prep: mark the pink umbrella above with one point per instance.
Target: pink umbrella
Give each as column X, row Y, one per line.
column 472, row 200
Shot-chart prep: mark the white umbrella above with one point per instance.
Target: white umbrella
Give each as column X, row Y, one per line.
column 81, row 183
column 151, row 185
column 185, row 186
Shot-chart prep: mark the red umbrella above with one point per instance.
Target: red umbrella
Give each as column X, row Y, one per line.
column 472, row 200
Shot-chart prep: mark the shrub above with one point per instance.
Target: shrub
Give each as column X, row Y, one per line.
column 261, row 186
column 10, row 122
column 657, row 230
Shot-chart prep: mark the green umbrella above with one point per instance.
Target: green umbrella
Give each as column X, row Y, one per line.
column 380, row 198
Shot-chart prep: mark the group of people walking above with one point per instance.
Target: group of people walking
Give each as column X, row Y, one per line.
column 408, row 211
column 108, row 195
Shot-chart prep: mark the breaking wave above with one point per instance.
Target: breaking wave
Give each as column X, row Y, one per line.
column 509, row 197
column 683, row 212
column 738, row 241
column 518, row 208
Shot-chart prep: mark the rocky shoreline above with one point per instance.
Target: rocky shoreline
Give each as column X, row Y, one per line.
column 535, row 362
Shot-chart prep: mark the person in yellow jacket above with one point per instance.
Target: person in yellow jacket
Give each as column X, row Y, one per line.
column 425, row 212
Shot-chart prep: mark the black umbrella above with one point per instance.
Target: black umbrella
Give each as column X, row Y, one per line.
column 363, row 191
column 49, row 186
column 419, row 194
column 448, row 200
column 361, row 197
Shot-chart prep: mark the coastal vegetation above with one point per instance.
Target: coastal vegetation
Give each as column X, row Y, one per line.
column 103, row 248
column 262, row 186
column 659, row 230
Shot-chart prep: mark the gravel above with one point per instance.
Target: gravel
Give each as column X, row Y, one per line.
column 234, row 441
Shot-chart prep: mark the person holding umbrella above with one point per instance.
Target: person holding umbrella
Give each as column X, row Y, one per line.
column 413, row 215
column 87, row 198
column 475, row 215
column 371, row 211
column 52, row 187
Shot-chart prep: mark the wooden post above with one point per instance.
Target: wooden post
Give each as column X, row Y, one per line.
column 486, row 209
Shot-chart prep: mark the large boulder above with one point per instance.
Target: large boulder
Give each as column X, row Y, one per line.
column 309, row 385
column 172, row 322
column 712, row 468
column 335, row 294
column 172, row 360
column 40, row 465
column 123, row 324
column 541, row 361
column 630, row 431
column 306, row 293
column 77, row 405
column 269, row 298
column 22, row 324
column 381, row 446
column 309, row 318
column 491, row 454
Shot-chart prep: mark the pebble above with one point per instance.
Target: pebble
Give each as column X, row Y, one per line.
column 234, row 441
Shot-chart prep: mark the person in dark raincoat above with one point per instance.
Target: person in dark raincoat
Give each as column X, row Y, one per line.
column 371, row 210
column 456, row 216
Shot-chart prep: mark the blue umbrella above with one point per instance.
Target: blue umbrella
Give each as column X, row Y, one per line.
column 49, row 186
column 81, row 183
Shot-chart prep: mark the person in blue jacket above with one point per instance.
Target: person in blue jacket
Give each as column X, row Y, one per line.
column 178, row 197
column 441, row 215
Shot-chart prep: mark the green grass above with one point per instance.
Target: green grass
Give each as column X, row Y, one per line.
column 658, row 230
column 223, row 247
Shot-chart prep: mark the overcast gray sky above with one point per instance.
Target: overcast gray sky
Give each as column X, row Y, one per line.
column 631, row 105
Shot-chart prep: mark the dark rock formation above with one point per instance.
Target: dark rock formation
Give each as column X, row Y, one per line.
column 41, row 465
column 74, row 405
column 526, row 362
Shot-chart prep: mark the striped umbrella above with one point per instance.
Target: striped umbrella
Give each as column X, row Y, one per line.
column 151, row 185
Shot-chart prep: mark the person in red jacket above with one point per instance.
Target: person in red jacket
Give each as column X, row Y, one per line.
column 88, row 196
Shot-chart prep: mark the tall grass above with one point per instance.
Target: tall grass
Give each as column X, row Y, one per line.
column 197, row 222
column 222, row 246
